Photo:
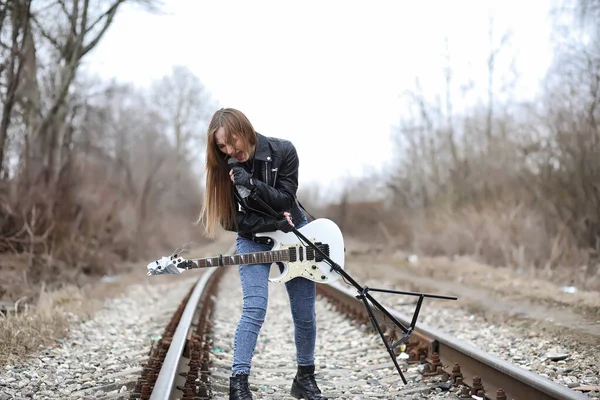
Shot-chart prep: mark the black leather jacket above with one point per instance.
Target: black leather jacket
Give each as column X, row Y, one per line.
column 274, row 170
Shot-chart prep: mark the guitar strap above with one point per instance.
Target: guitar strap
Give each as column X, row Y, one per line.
column 242, row 201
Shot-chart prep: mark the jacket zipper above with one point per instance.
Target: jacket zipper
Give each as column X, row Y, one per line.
column 267, row 175
column 274, row 175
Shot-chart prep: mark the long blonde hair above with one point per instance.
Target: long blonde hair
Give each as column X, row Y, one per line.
column 219, row 207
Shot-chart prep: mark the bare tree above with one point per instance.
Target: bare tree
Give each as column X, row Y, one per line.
column 61, row 135
column 568, row 186
column 185, row 105
column 72, row 29
column 10, row 70
column 588, row 14
column 494, row 51
column 449, row 107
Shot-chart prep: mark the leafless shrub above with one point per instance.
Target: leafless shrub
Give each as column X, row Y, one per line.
column 512, row 184
column 91, row 173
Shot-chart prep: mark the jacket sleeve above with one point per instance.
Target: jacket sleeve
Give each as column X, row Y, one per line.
column 282, row 196
column 255, row 222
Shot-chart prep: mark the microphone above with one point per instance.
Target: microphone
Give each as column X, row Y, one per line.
column 242, row 190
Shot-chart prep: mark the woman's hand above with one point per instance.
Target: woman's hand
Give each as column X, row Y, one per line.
column 240, row 176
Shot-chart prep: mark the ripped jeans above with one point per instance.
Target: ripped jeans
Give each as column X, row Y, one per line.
column 255, row 280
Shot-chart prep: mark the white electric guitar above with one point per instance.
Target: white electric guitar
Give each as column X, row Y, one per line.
column 298, row 258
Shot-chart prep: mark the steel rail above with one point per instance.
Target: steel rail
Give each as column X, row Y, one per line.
column 166, row 381
column 495, row 373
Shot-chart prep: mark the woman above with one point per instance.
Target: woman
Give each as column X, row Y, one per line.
column 248, row 176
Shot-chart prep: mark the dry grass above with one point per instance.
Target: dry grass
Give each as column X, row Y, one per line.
column 53, row 255
column 506, row 282
column 39, row 325
column 516, row 238
column 502, row 236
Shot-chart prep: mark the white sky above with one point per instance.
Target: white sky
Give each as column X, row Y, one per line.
column 327, row 75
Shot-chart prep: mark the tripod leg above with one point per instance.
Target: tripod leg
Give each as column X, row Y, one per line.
column 387, row 346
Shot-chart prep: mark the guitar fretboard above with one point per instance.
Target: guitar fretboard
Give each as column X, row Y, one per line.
column 247, row 258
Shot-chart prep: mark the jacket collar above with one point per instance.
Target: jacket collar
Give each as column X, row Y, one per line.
column 263, row 150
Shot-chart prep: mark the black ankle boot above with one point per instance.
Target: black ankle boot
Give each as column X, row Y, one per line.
column 305, row 386
column 239, row 388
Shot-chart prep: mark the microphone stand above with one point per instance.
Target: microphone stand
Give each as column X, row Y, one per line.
column 364, row 294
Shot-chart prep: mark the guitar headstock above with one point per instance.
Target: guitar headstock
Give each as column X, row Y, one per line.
column 173, row 264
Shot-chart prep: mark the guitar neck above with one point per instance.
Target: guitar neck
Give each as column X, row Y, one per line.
column 261, row 257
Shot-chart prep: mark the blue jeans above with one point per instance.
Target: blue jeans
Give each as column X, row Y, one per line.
column 255, row 280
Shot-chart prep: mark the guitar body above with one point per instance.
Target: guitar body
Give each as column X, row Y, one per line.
column 321, row 230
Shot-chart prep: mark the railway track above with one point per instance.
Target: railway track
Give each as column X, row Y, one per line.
column 192, row 359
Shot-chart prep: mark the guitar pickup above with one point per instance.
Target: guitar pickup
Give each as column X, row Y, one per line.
column 293, row 254
column 311, row 254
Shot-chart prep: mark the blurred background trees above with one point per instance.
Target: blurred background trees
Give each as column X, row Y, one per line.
column 91, row 173
column 94, row 173
column 513, row 184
